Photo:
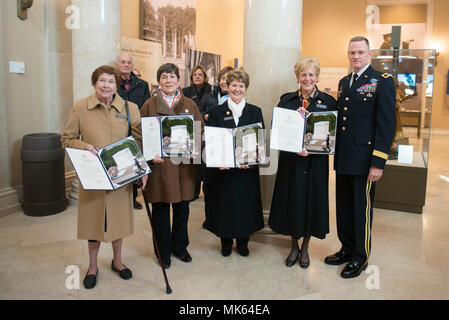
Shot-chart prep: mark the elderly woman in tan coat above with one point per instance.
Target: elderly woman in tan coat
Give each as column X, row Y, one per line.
column 100, row 120
column 171, row 182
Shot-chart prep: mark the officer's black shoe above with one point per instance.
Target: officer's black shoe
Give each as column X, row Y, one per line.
column 184, row 256
column 137, row 205
column 353, row 269
column 338, row 258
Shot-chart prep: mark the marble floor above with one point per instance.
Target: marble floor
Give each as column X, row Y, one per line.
column 410, row 257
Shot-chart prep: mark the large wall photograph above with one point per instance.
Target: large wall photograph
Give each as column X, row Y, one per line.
column 171, row 23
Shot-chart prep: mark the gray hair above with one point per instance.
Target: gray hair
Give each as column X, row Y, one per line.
column 125, row 54
column 360, row 38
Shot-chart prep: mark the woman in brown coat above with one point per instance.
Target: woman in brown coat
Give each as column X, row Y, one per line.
column 171, row 181
column 103, row 215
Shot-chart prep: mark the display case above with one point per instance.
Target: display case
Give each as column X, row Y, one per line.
column 403, row 184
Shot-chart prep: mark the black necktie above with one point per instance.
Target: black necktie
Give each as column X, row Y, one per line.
column 354, row 78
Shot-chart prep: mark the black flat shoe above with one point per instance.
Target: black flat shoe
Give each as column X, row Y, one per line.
column 353, row 269
column 338, row 258
column 137, row 205
column 226, row 246
column 304, row 264
column 185, row 256
column 90, row 280
column 125, row 273
column 167, row 263
column 290, row 263
column 243, row 251
column 226, row 251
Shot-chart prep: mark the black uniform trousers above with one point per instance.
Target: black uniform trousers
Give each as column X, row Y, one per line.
column 354, row 199
column 176, row 238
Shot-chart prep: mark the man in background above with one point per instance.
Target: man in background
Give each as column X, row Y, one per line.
column 135, row 90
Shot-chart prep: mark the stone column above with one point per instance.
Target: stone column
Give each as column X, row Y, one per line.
column 95, row 43
column 271, row 49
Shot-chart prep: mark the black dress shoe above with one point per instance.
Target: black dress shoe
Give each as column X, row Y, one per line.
column 338, row 258
column 125, row 273
column 137, row 205
column 185, row 256
column 90, row 280
column 353, row 269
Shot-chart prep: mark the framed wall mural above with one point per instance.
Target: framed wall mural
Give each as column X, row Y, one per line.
column 211, row 62
column 172, row 24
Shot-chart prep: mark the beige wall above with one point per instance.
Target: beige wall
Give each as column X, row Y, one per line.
column 39, row 100
column 327, row 26
column 440, row 108
column 130, row 18
column 416, row 13
column 219, row 26
column 24, row 41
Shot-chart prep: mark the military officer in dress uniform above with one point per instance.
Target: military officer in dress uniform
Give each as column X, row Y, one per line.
column 365, row 131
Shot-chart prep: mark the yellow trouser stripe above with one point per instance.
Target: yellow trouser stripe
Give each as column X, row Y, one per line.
column 368, row 220
column 380, row 154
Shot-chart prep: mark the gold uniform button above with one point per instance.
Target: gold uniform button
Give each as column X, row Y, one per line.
column 347, row 99
column 343, row 128
column 344, row 118
column 345, row 108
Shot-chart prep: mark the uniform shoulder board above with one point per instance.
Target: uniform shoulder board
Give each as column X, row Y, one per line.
column 387, row 75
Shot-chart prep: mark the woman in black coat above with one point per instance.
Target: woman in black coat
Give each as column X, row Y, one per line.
column 300, row 205
column 234, row 206
column 217, row 96
column 198, row 89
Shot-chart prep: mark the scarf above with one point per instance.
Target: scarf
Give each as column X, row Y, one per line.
column 306, row 102
column 171, row 100
column 222, row 99
column 236, row 109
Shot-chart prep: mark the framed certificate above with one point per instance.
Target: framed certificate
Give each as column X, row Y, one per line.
column 293, row 131
column 233, row 147
column 114, row 166
column 168, row 136
column 320, row 132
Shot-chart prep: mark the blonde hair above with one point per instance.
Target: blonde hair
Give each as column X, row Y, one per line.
column 307, row 62
column 238, row 75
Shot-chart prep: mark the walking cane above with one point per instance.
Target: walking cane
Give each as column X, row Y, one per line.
column 168, row 289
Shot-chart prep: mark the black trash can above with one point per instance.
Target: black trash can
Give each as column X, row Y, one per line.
column 43, row 174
